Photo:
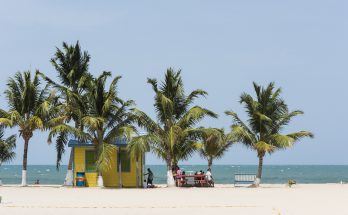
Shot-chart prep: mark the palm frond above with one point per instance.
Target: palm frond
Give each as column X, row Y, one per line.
column 7, row 147
column 194, row 115
column 144, row 121
column 264, row 147
column 105, row 155
column 140, row 144
column 61, row 142
column 301, row 134
column 195, row 94
column 67, row 130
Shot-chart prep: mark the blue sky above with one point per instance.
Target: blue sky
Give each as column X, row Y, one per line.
column 221, row 47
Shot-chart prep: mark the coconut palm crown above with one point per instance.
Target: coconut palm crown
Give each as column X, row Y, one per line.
column 71, row 65
column 7, row 146
column 30, row 109
column 268, row 115
column 172, row 137
column 214, row 143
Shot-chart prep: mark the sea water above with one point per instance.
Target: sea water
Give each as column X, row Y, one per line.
column 223, row 174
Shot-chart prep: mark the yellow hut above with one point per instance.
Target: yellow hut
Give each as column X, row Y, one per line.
column 125, row 171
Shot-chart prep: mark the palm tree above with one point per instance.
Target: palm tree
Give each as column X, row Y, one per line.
column 173, row 136
column 107, row 120
column 268, row 115
column 214, row 144
column 71, row 65
column 7, row 147
column 30, row 109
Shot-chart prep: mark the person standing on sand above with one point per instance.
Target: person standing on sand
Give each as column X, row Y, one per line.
column 209, row 178
column 149, row 176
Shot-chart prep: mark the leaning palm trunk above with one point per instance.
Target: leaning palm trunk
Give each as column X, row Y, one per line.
column 25, row 161
column 69, row 178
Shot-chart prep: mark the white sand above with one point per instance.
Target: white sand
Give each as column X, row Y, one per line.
column 270, row 199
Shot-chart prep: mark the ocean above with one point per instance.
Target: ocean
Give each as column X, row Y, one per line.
column 223, row 174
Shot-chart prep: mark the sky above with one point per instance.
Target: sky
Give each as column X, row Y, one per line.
column 221, row 47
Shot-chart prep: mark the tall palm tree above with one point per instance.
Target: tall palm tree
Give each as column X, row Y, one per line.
column 173, row 136
column 7, row 147
column 107, row 120
column 71, row 64
column 30, row 108
column 268, row 115
column 214, row 143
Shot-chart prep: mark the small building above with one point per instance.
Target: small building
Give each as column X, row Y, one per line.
column 125, row 171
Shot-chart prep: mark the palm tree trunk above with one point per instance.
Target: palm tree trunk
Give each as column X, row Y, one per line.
column 119, row 169
column 210, row 163
column 25, row 161
column 119, row 176
column 259, row 171
column 137, row 172
column 170, row 179
column 142, row 169
column 69, row 179
column 100, row 182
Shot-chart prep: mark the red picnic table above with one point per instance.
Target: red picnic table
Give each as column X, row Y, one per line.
column 198, row 180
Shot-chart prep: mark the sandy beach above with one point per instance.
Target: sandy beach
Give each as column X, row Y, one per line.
column 223, row 199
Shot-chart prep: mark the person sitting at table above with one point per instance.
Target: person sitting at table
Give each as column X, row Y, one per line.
column 200, row 173
column 178, row 173
column 178, row 176
column 195, row 178
column 183, row 179
column 174, row 170
column 198, row 176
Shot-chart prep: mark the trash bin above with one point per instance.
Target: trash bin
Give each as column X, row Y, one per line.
column 80, row 179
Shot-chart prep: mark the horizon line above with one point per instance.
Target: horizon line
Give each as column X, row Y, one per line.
column 200, row 164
